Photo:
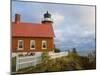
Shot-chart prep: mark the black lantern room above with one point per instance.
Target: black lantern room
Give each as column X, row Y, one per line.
column 47, row 18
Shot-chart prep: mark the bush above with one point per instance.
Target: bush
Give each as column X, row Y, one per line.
column 84, row 62
column 53, row 66
column 45, row 56
column 56, row 50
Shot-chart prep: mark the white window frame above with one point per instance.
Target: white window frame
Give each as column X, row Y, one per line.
column 31, row 44
column 44, row 41
column 22, row 44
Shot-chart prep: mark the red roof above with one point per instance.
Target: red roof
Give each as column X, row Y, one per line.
column 32, row 30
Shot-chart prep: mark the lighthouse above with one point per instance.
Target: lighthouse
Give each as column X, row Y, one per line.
column 47, row 18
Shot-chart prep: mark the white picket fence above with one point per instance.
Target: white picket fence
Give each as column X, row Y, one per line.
column 57, row 55
column 27, row 61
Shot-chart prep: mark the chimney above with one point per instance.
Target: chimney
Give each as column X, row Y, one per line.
column 17, row 18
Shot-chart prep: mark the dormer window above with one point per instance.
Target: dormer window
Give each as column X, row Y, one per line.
column 44, row 44
column 20, row 44
column 32, row 44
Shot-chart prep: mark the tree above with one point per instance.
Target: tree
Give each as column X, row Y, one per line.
column 57, row 50
column 73, row 54
column 45, row 56
column 74, row 50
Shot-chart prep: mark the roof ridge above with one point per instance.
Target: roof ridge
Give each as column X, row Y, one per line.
column 31, row 23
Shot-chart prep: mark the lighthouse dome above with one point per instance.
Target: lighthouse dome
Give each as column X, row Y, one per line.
column 47, row 18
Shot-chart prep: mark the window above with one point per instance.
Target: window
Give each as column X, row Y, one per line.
column 32, row 44
column 44, row 44
column 20, row 44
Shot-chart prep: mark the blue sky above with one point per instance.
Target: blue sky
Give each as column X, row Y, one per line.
column 74, row 25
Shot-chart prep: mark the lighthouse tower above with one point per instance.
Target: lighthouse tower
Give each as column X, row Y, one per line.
column 47, row 18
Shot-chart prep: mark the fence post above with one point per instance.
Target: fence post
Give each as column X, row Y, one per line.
column 16, row 60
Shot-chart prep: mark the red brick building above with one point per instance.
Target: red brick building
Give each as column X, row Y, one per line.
column 32, row 37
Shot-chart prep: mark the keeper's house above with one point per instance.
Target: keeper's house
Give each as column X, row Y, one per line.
column 32, row 37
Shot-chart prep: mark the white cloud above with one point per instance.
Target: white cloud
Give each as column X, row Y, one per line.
column 87, row 20
column 57, row 18
column 59, row 35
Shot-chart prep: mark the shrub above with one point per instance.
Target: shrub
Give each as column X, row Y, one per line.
column 45, row 56
column 53, row 66
column 56, row 50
